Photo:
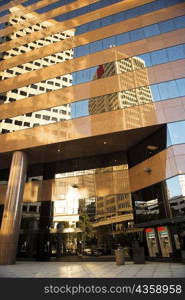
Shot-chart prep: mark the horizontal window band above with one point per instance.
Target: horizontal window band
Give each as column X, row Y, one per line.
column 25, row 10
column 64, row 182
column 161, row 56
column 77, row 64
column 62, row 56
column 15, row 3
column 126, row 15
column 43, row 194
column 108, row 85
column 10, row 4
column 106, row 11
column 52, row 6
column 99, row 124
column 97, row 105
column 40, row 4
column 86, row 38
column 149, row 59
column 45, row 16
column 92, row 36
column 3, row 14
column 82, row 11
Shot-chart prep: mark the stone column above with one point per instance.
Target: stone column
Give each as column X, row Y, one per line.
column 11, row 220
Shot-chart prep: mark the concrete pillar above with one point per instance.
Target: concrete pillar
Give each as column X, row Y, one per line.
column 11, row 220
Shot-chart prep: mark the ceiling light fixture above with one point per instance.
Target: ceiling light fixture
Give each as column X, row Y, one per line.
column 75, row 186
column 152, row 147
column 148, row 170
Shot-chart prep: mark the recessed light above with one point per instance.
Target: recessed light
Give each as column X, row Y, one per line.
column 152, row 147
column 58, row 150
column 75, row 186
column 105, row 143
column 148, row 170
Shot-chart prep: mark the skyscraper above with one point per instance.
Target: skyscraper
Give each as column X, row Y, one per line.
column 17, row 17
column 122, row 64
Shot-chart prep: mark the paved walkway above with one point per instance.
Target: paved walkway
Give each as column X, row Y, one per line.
column 93, row 270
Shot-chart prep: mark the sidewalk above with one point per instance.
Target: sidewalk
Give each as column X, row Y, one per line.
column 93, row 270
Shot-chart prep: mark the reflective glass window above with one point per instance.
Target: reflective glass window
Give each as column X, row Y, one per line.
column 177, row 52
column 106, row 43
column 174, row 186
column 94, row 25
column 135, row 35
column 179, row 23
column 95, row 46
column 169, row 141
column 166, row 26
column 176, row 133
column 54, row 5
column 81, row 51
column 106, row 103
column 168, row 90
column 114, row 18
column 176, row 195
column 29, row 2
column 123, row 38
column 131, row 13
column 4, row 12
column 149, row 203
column 151, row 30
column 147, row 59
column 2, row 26
column 159, row 57
column 80, row 109
column 83, row 10
column 144, row 9
column 164, row 55
column 181, row 86
column 155, row 92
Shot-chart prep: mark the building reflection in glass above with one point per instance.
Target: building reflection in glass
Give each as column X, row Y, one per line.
column 133, row 85
column 122, row 99
column 162, row 200
column 176, row 195
column 176, row 133
column 134, row 89
column 149, row 203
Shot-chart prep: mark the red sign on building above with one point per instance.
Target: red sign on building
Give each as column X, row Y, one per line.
column 100, row 71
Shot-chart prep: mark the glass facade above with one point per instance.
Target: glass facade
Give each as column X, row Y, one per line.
column 125, row 15
column 131, row 36
column 167, row 196
column 110, row 102
column 176, row 133
column 101, row 88
column 29, row 2
column 85, row 10
column 51, row 6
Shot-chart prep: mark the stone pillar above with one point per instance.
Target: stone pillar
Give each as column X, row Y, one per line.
column 11, row 220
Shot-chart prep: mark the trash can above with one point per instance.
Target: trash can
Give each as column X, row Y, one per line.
column 119, row 253
column 138, row 255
